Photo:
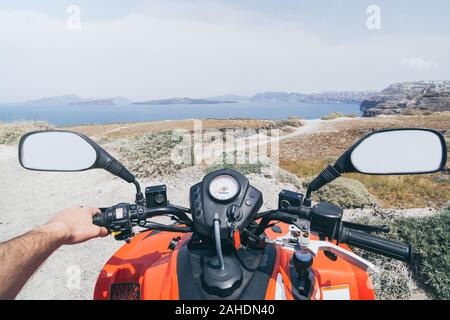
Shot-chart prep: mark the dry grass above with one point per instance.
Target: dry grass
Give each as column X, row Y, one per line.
column 129, row 130
column 408, row 191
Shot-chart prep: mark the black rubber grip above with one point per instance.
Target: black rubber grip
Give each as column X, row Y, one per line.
column 99, row 219
column 376, row 244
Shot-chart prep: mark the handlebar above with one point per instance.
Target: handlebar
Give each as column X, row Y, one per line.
column 121, row 218
column 335, row 229
column 376, row 244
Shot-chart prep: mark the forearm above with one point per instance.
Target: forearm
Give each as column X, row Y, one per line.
column 22, row 256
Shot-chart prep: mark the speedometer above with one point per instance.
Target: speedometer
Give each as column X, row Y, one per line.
column 224, row 187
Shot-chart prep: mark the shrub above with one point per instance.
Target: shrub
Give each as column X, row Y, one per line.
column 429, row 237
column 10, row 133
column 149, row 155
column 335, row 115
column 345, row 193
column 294, row 121
column 242, row 168
column 411, row 112
column 430, row 267
column 393, row 279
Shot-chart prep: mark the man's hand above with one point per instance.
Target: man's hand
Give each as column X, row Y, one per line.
column 21, row 256
column 74, row 225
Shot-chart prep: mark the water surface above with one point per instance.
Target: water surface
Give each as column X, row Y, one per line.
column 92, row 114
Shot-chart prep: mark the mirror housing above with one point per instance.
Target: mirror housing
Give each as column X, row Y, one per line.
column 56, row 141
column 388, row 152
column 50, row 149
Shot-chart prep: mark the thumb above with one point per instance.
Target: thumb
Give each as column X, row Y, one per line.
column 102, row 232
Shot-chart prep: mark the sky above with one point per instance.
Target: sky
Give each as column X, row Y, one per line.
column 197, row 48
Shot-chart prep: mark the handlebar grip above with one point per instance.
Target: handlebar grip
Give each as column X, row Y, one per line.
column 376, row 244
column 99, row 219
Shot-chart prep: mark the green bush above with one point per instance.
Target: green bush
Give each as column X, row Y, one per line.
column 10, row 133
column 242, row 168
column 345, row 193
column 393, row 279
column 336, row 115
column 294, row 121
column 429, row 237
column 430, row 267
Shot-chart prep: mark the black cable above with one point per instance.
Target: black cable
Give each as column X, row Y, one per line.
column 217, row 240
column 163, row 227
column 169, row 210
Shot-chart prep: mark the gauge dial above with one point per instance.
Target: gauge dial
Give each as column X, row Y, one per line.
column 223, row 187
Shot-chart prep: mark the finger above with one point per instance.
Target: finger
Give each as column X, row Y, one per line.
column 103, row 232
column 95, row 211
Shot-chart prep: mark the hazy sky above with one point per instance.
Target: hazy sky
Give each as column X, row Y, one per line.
column 169, row 48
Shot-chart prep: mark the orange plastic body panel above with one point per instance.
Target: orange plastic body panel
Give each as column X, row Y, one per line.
column 148, row 261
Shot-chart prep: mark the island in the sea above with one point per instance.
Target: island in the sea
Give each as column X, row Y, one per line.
column 262, row 97
column 74, row 100
column 182, row 101
column 406, row 98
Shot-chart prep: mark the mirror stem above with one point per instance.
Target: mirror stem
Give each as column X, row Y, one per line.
column 326, row 176
column 139, row 195
column 118, row 169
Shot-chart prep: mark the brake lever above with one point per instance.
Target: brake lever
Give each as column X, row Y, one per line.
column 366, row 228
column 314, row 246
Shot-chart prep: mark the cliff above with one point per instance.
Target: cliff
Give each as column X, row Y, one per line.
column 323, row 97
column 399, row 98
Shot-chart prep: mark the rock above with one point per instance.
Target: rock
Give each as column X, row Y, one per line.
column 409, row 98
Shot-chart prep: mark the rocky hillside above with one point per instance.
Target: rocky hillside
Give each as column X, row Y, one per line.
column 323, row 97
column 401, row 98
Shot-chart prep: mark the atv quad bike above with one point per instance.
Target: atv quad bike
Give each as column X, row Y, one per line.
column 222, row 246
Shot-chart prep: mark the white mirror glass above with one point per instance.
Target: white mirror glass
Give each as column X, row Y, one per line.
column 57, row 151
column 398, row 152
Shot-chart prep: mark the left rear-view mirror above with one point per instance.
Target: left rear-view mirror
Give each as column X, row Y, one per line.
column 56, row 151
column 67, row 151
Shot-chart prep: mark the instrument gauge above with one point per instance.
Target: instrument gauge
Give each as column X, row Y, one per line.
column 224, row 188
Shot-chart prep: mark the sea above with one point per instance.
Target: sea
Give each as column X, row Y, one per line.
column 66, row 115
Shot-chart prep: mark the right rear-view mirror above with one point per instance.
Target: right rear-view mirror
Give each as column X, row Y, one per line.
column 388, row 152
column 400, row 151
